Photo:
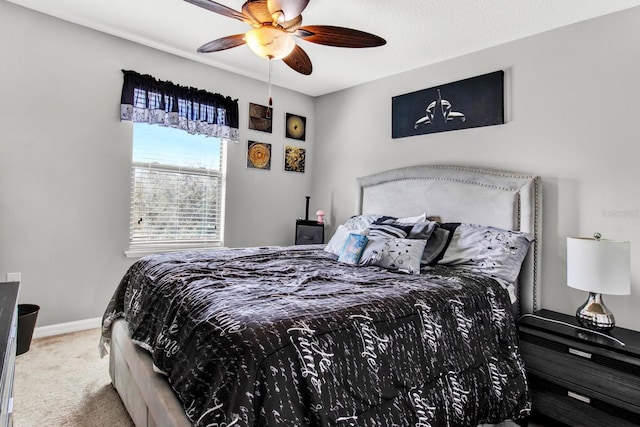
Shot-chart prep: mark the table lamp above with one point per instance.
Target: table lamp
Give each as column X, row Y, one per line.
column 598, row 266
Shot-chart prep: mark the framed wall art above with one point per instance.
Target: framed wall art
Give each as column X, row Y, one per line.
column 294, row 159
column 258, row 155
column 260, row 117
column 473, row 102
column 295, row 126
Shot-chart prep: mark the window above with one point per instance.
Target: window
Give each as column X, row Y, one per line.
column 177, row 197
column 178, row 173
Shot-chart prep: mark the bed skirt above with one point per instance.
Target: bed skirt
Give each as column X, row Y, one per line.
column 146, row 394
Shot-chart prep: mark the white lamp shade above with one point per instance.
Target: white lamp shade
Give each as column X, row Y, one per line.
column 599, row 266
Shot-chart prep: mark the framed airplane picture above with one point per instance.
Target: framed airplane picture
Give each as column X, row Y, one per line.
column 473, row 102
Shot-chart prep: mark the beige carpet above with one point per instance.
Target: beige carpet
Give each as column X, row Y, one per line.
column 61, row 381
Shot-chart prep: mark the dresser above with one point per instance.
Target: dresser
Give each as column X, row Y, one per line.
column 579, row 377
column 8, row 344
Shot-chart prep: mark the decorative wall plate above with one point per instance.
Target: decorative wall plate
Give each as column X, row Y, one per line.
column 258, row 155
column 294, row 159
column 296, row 126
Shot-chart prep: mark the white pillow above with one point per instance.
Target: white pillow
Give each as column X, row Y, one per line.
column 411, row 219
column 359, row 222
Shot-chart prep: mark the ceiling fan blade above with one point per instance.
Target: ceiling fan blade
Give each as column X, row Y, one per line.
column 222, row 44
column 299, row 61
column 288, row 8
column 220, row 9
column 338, row 36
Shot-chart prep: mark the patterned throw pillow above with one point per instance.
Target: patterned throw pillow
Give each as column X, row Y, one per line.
column 394, row 254
column 386, row 230
column 353, row 248
column 488, row 250
column 339, row 238
column 415, row 230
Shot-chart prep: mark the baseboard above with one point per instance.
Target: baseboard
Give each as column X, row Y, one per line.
column 65, row 328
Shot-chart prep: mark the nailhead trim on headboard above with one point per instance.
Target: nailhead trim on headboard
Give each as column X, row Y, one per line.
column 487, row 178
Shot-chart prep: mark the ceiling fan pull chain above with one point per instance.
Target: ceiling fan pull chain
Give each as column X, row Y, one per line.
column 270, row 99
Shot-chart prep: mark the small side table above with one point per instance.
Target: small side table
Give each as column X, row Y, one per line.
column 309, row 232
column 579, row 377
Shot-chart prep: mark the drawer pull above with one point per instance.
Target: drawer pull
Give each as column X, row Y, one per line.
column 579, row 397
column 579, row 353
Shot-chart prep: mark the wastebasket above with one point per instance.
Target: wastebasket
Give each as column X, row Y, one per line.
column 27, row 315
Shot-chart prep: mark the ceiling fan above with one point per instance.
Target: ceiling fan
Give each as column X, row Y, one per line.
column 275, row 24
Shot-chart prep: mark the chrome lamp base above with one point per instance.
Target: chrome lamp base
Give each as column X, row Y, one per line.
column 593, row 314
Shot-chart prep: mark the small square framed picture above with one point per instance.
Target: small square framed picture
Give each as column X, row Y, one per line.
column 258, row 155
column 260, row 117
column 295, row 126
column 294, row 159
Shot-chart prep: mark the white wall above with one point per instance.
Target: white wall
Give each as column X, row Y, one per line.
column 64, row 171
column 65, row 160
column 571, row 117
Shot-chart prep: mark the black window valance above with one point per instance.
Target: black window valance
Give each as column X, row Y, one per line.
column 146, row 99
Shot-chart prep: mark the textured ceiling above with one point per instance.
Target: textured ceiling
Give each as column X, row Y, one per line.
column 418, row 32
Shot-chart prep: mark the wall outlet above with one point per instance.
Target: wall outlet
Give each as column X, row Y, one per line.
column 14, row 277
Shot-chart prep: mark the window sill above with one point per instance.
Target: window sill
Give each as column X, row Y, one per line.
column 141, row 252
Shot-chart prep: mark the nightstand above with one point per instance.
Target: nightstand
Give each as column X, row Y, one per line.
column 579, row 377
column 309, row 232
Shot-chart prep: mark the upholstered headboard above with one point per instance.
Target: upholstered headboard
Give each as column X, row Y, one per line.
column 464, row 194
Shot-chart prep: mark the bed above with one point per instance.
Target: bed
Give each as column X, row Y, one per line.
column 292, row 337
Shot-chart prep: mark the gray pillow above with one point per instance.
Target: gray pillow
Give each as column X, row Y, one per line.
column 436, row 243
column 422, row 230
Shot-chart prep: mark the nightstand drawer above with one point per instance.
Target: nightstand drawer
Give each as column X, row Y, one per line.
column 575, row 409
column 605, row 377
column 580, row 377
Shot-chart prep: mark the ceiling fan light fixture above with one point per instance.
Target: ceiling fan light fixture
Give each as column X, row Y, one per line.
column 269, row 42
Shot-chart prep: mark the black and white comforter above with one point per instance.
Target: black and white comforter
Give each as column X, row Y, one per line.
column 289, row 337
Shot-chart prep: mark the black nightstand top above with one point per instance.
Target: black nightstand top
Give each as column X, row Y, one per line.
column 309, row 222
column 546, row 320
